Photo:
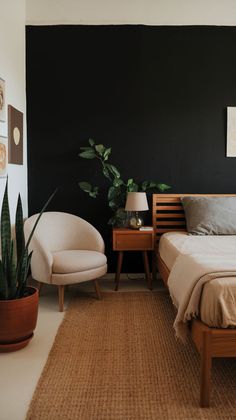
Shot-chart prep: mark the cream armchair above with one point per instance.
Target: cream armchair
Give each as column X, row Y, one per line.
column 66, row 250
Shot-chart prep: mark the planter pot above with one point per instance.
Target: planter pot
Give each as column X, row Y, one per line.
column 18, row 320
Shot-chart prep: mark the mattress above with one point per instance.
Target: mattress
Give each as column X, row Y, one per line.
column 173, row 244
column 218, row 301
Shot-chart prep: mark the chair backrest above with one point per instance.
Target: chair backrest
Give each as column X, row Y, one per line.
column 57, row 231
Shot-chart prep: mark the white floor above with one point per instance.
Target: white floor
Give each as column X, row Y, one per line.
column 20, row 371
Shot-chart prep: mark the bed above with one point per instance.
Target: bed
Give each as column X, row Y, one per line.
column 211, row 341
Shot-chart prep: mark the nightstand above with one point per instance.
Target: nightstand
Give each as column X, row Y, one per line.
column 133, row 240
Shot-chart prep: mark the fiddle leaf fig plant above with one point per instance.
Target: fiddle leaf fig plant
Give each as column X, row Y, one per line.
column 117, row 188
column 14, row 270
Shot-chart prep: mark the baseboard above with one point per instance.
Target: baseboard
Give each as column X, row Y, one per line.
column 126, row 276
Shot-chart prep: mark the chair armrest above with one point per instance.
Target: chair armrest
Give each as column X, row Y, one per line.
column 93, row 240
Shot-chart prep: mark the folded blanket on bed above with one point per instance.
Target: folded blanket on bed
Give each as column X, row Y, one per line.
column 186, row 281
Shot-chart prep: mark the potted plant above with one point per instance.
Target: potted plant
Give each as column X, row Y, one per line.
column 18, row 300
column 118, row 189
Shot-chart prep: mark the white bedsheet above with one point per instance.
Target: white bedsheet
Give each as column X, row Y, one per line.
column 173, row 244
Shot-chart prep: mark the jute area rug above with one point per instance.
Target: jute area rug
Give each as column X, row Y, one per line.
column 118, row 359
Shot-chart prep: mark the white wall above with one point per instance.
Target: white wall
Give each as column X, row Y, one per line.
column 12, row 70
column 150, row 12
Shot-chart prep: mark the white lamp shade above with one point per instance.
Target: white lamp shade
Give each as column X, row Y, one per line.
column 136, row 201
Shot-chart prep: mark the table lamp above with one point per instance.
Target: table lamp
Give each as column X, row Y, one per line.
column 135, row 202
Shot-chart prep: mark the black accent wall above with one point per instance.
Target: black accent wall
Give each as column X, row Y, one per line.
column 157, row 95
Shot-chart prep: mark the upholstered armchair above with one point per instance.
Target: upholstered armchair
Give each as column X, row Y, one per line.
column 66, row 250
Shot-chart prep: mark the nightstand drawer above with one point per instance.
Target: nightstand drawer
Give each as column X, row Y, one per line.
column 130, row 242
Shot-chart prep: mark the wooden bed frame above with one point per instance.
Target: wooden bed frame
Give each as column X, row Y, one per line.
column 168, row 215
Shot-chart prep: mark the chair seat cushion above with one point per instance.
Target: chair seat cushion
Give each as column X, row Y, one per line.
column 75, row 261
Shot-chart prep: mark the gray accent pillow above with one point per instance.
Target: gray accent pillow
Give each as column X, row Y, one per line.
column 210, row 215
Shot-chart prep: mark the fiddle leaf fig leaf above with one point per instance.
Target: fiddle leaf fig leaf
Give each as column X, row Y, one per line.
column 117, row 189
column 130, row 182
column 85, row 186
column 88, row 154
column 133, row 188
column 112, row 204
column 93, row 194
column 99, row 149
column 106, row 172
column 114, row 171
column 106, row 153
column 163, row 187
column 112, row 193
column 117, row 182
column 91, row 142
column 86, row 148
column 144, row 185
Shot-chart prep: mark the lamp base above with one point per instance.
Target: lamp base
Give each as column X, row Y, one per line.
column 135, row 221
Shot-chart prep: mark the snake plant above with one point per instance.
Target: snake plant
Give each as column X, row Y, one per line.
column 14, row 269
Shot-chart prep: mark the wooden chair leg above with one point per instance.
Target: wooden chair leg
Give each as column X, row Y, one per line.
column 206, row 363
column 61, row 297
column 97, row 289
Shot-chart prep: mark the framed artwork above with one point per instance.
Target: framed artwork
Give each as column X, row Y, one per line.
column 15, row 136
column 3, row 157
column 3, row 105
column 231, row 132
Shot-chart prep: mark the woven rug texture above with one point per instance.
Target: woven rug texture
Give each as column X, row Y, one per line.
column 118, row 359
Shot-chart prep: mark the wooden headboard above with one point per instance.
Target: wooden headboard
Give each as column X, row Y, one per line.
column 168, row 213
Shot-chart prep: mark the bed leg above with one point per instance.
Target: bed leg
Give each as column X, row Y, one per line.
column 206, row 363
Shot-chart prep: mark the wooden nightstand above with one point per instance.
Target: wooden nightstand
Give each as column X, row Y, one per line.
column 133, row 240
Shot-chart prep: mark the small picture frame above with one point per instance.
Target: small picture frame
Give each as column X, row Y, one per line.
column 3, row 157
column 3, row 105
column 15, row 136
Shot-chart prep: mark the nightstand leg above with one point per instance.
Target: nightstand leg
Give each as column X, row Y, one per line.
column 147, row 271
column 118, row 270
column 154, row 266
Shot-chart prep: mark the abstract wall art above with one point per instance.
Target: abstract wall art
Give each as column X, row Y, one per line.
column 3, row 156
column 15, row 136
column 2, row 100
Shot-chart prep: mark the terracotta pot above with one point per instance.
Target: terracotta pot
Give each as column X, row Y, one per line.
column 18, row 320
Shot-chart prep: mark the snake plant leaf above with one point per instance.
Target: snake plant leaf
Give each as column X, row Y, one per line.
column 11, row 273
column 39, row 217
column 21, row 263
column 24, row 274
column 3, row 283
column 5, row 224
column 19, row 229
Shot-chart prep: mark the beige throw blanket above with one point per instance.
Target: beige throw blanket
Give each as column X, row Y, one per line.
column 186, row 281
